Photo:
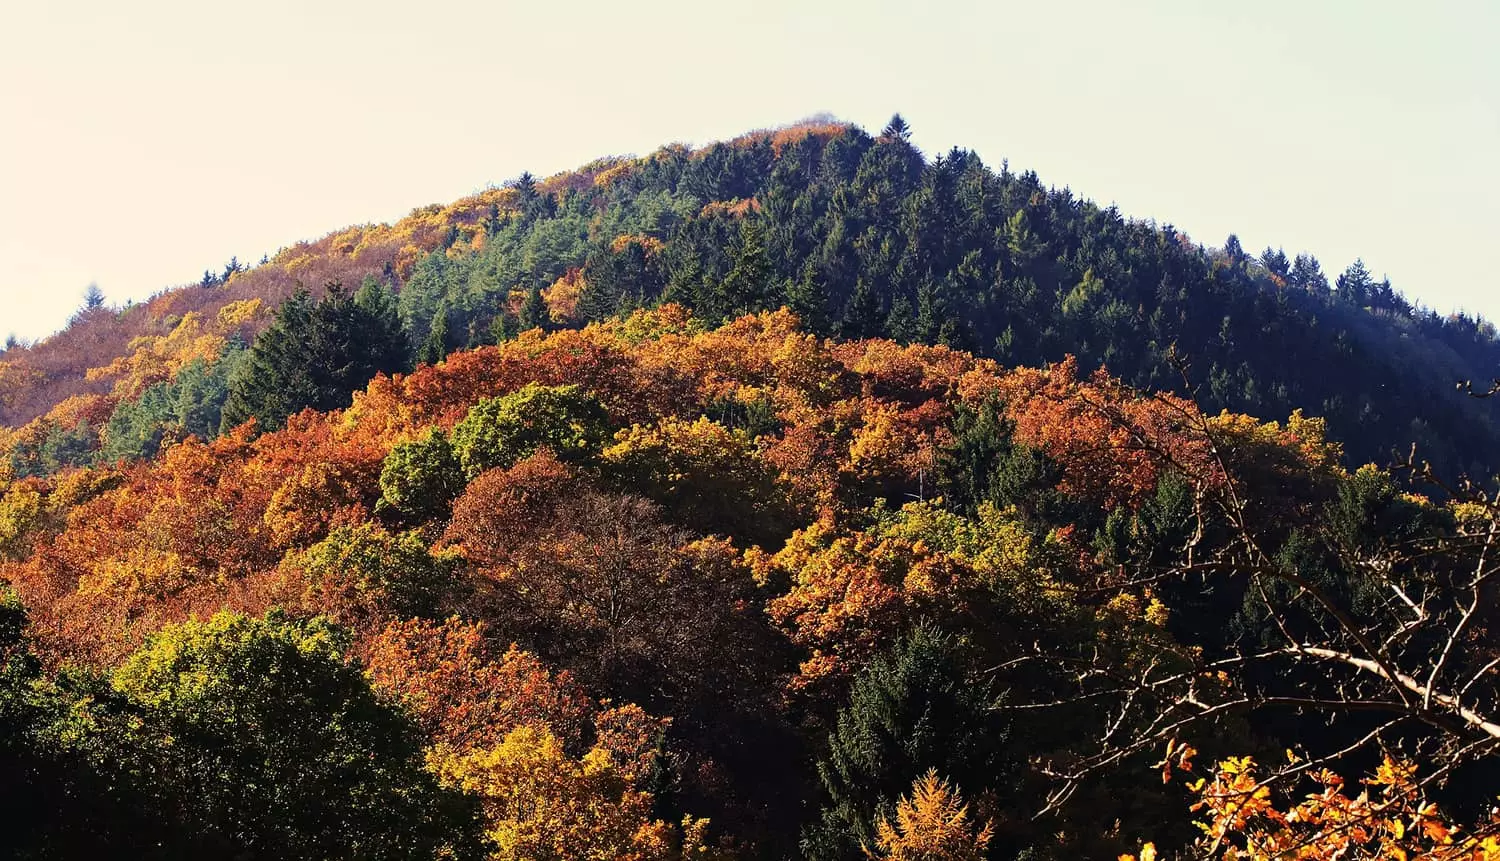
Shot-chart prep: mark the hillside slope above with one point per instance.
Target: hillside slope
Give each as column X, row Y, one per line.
column 861, row 236
column 569, row 595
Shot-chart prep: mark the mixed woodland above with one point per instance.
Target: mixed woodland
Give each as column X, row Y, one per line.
column 801, row 496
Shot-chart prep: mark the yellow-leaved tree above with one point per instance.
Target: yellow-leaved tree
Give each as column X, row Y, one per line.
column 542, row 803
column 931, row 824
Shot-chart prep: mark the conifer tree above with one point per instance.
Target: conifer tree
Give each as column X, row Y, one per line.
column 504, row 327
column 910, row 711
column 747, row 286
column 435, row 347
column 534, row 311
column 529, row 199
column 1355, row 285
column 901, row 323
column 807, row 297
column 317, row 354
column 1235, row 251
column 525, row 186
column 1275, row 261
column 862, row 314
column 1308, row 274
column 896, row 129
column 381, row 321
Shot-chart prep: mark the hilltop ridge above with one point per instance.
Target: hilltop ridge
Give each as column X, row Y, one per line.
column 861, row 236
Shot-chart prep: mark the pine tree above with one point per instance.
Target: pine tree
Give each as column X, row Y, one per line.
column 747, row 286
column 862, row 313
column 910, row 711
column 1308, row 275
column 807, row 297
column 435, row 347
column 317, row 354
column 896, row 129
column 534, row 311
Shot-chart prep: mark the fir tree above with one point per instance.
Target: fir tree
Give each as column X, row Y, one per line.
column 435, row 347
column 317, row 354
column 747, row 286
column 807, row 297
column 534, row 311
column 896, row 129
column 912, row 710
column 862, row 314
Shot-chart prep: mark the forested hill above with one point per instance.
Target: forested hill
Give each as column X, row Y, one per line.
column 861, row 235
column 289, row 571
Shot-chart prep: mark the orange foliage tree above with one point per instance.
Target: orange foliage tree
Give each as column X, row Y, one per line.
column 1243, row 818
column 1111, row 442
column 558, row 774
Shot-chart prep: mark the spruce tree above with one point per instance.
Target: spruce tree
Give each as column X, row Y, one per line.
column 747, row 287
column 896, row 129
column 1308, row 274
column 901, row 323
column 529, row 199
column 435, row 347
column 911, row 710
column 1235, row 251
column 317, row 354
column 862, row 314
column 504, row 327
column 1275, row 262
column 493, row 221
column 807, row 297
column 1355, row 284
column 383, row 334
column 534, row 311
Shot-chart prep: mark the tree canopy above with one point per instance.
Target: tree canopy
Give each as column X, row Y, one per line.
column 316, row 355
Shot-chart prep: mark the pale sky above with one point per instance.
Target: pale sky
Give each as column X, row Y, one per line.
column 143, row 142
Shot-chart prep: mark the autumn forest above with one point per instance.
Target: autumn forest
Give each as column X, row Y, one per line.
column 800, row 496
